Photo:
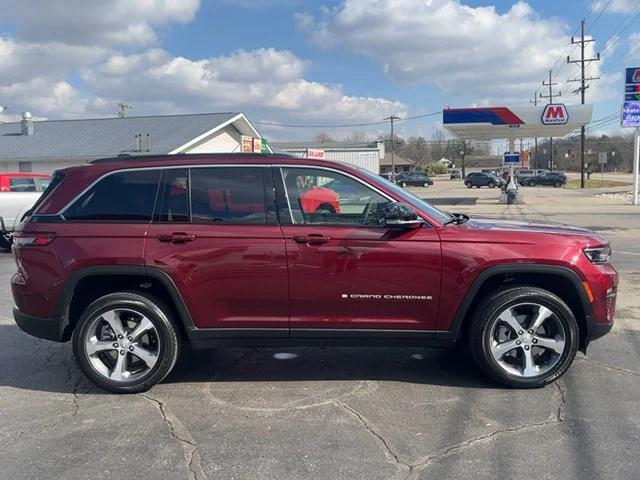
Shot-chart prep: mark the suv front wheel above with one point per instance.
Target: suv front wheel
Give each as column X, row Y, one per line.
column 524, row 337
column 125, row 342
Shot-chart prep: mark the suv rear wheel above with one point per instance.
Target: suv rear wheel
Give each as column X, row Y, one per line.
column 524, row 337
column 125, row 342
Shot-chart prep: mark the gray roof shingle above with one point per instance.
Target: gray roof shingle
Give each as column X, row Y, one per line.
column 103, row 137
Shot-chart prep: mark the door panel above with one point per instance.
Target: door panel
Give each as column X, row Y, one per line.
column 215, row 234
column 346, row 269
column 364, row 278
column 229, row 276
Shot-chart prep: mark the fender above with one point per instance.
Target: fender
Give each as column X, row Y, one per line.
column 463, row 309
column 62, row 305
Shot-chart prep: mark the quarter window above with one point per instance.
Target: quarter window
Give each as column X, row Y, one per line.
column 121, row 196
column 318, row 196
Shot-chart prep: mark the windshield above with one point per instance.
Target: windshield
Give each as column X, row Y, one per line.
column 409, row 197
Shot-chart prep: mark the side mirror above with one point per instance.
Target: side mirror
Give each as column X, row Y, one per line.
column 401, row 215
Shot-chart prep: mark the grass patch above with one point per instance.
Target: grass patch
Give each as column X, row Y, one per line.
column 596, row 183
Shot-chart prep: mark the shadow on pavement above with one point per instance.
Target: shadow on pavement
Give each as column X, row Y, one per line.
column 33, row 364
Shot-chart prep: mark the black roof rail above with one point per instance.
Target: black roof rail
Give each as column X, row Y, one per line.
column 166, row 156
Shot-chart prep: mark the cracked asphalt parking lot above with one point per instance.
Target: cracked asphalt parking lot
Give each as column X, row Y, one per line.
column 326, row 413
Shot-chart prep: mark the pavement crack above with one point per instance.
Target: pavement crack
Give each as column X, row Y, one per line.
column 392, row 457
column 607, row 366
column 182, row 435
column 74, row 392
column 556, row 416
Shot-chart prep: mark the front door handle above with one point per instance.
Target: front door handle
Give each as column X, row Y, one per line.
column 177, row 237
column 312, row 239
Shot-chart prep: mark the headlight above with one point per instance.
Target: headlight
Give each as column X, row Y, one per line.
column 598, row 255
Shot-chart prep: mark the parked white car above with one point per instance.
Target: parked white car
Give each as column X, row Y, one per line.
column 13, row 206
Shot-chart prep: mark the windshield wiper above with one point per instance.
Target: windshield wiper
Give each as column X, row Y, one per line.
column 457, row 219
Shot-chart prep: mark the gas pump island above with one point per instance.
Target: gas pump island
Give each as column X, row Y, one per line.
column 499, row 123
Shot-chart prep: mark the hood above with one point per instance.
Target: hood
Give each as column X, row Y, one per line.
column 531, row 226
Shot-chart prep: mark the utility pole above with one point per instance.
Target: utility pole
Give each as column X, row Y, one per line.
column 392, row 119
column 583, row 87
column 550, row 84
column 535, row 139
column 122, row 109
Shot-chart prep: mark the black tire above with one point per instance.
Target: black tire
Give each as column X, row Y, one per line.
column 157, row 312
column 425, row 184
column 5, row 242
column 404, row 185
column 532, row 184
column 480, row 334
column 557, row 184
column 491, row 185
column 468, row 184
column 326, row 209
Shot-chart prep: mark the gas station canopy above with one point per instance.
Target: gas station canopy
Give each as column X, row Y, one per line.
column 489, row 123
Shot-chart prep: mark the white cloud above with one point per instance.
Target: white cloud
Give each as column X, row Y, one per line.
column 462, row 50
column 103, row 23
column 614, row 6
column 266, row 82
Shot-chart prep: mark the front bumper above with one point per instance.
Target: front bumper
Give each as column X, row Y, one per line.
column 47, row 328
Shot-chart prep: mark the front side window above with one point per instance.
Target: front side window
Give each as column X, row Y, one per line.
column 234, row 195
column 317, row 196
column 121, row 196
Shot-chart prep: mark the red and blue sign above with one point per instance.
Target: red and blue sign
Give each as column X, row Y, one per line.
column 631, row 105
column 632, row 75
column 511, row 158
column 492, row 115
column 555, row 114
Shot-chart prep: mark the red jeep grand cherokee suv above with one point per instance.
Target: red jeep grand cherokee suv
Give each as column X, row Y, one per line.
column 128, row 257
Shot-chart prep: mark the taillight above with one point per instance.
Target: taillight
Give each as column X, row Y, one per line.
column 39, row 239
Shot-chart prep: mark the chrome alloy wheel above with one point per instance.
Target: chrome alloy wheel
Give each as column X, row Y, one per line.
column 527, row 339
column 122, row 345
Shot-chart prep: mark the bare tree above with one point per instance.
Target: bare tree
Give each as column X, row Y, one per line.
column 357, row 136
column 418, row 150
column 323, row 137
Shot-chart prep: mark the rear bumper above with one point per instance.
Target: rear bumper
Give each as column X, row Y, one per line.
column 47, row 328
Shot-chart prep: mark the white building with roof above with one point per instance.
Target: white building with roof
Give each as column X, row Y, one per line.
column 45, row 146
column 365, row 155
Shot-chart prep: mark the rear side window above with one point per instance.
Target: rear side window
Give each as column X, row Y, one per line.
column 233, row 195
column 173, row 197
column 121, row 196
column 22, row 184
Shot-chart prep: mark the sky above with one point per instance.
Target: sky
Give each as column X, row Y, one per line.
column 299, row 67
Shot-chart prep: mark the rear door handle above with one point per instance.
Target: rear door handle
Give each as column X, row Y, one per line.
column 177, row 237
column 312, row 239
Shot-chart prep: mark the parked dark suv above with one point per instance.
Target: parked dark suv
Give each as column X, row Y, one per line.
column 415, row 179
column 131, row 257
column 482, row 179
column 555, row 179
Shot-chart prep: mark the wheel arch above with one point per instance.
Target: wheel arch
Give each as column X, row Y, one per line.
column 89, row 283
column 560, row 280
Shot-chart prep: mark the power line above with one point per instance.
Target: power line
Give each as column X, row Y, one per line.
column 550, row 84
column 392, row 118
column 583, row 86
column 347, row 125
